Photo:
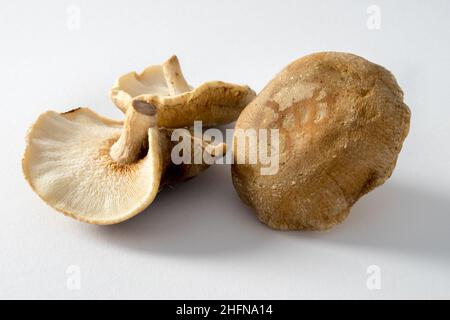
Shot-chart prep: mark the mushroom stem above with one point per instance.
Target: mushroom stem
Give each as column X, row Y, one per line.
column 174, row 77
column 139, row 118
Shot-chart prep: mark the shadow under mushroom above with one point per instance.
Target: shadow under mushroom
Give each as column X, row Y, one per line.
column 211, row 220
column 203, row 216
column 397, row 218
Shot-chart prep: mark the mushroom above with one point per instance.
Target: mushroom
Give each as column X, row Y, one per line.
column 341, row 122
column 99, row 170
column 178, row 104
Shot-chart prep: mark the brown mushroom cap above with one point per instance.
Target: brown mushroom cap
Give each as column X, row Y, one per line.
column 341, row 122
column 179, row 105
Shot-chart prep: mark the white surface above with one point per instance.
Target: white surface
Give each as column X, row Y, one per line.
column 199, row 240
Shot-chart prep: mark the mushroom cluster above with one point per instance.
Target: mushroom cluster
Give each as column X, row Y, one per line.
column 341, row 121
column 103, row 171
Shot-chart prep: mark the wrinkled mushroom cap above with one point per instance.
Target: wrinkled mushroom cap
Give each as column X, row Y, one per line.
column 341, row 122
column 67, row 163
column 214, row 103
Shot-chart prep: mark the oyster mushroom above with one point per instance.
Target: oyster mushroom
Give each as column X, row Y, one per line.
column 99, row 170
column 179, row 104
column 341, row 121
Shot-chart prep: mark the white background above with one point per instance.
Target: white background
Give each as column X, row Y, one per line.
column 198, row 240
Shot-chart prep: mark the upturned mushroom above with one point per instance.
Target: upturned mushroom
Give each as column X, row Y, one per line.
column 341, row 121
column 179, row 104
column 99, row 170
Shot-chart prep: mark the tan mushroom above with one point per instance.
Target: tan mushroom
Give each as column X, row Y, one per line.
column 99, row 170
column 179, row 104
column 342, row 122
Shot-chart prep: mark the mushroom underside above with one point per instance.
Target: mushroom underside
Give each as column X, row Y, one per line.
column 178, row 103
column 67, row 163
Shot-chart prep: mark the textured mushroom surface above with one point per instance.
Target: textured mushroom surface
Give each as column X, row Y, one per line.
column 342, row 122
column 178, row 103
